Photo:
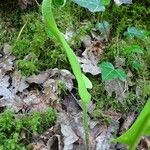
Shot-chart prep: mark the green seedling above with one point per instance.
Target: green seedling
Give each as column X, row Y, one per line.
column 109, row 72
column 140, row 128
column 52, row 29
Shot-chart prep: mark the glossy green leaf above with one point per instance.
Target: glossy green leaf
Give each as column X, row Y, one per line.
column 109, row 72
column 103, row 27
column 120, row 74
column 134, row 32
column 138, row 129
column 91, row 5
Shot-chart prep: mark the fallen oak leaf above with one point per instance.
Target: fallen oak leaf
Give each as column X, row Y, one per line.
column 91, row 57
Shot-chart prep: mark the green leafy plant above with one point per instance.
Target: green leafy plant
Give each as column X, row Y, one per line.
column 140, row 128
column 93, row 6
column 80, row 77
column 109, row 72
column 138, row 33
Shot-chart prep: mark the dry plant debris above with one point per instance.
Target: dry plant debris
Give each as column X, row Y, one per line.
column 91, row 57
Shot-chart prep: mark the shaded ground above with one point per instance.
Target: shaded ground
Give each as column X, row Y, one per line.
column 26, row 50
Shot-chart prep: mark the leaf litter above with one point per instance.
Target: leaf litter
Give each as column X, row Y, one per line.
column 16, row 91
column 68, row 133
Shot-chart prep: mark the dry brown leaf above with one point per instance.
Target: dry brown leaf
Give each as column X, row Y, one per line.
column 86, row 41
column 144, row 144
column 91, row 57
column 60, row 75
column 119, row 62
column 120, row 2
column 18, row 82
column 118, row 87
column 128, row 122
column 23, row 3
column 38, row 146
column 7, row 61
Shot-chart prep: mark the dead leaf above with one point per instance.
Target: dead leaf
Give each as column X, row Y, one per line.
column 144, row 144
column 120, row 2
column 63, row 75
column 69, row 34
column 103, row 140
column 18, row 82
column 119, row 62
column 5, row 92
column 51, row 90
column 38, row 146
column 54, row 143
column 128, row 122
column 69, row 136
column 23, row 3
column 118, row 87
column 91, row 57
column 7, row 61
column 86, row 41
column 40, row 78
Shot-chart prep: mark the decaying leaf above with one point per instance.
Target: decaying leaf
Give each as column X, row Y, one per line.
column 119, row 62
column 23, row 3
column 86, row 41
column 62, row 75
column 5, row 92
column 18, row 82
column 69, row 136
column 7, row 61
column 144, row 144
column 104, row 138
column 128, row 122
column 120, row 88
column 120, row 2
column 91, row 57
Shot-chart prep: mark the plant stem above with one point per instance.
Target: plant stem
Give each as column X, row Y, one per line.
column 85, row 124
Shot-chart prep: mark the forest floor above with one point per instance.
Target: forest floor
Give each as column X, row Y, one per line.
column 40, row 108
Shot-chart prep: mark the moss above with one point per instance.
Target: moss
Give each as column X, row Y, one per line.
column 11, row 128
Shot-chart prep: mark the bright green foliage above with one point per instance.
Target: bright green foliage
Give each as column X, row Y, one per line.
column 92, row 5
column 82, row 88
column 134, row 32
column 105, row 2
column 133, row 49
column 11, row 128
column 109, row 72
column 30, row 46
column 87, row 82
column 140, row 128
column 51, row 25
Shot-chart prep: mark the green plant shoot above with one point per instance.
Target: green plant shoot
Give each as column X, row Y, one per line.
column 53, row 30
column 51, row 25
column 140, row 128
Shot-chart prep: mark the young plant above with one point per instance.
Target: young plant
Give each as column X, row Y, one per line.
column 109, row 72
column 140, row 128
column 53, row 30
